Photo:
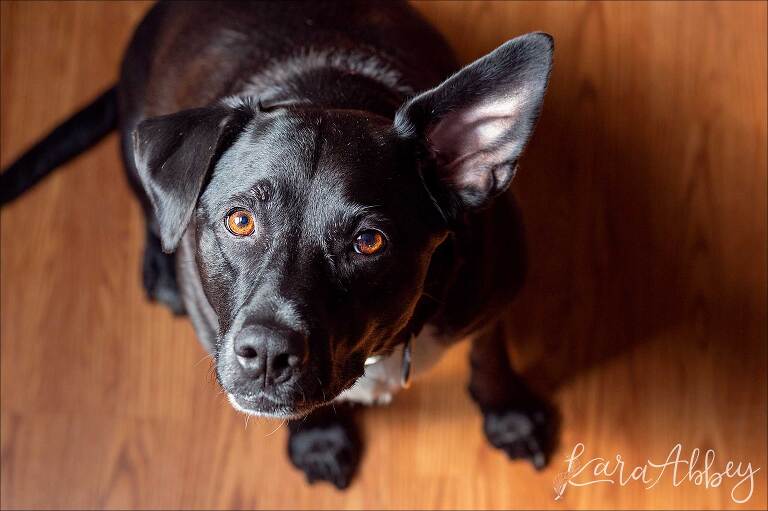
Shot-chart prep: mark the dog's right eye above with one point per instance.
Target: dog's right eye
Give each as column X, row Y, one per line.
column 240, row 222
column 369, row 242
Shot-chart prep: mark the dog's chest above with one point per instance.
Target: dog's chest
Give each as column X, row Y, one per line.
column 382, row 380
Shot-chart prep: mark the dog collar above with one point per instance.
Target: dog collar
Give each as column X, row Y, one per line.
column 405, row 370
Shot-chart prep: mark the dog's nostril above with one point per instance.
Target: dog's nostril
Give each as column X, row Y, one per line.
column 283, row 366
column 283, row 361
column 246, row 352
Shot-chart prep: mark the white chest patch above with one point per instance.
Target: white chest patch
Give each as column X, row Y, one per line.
column 381, row 380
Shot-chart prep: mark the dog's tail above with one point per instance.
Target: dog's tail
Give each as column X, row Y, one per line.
column 75, row 135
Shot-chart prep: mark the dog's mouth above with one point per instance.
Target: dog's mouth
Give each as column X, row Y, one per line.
column 263, row 405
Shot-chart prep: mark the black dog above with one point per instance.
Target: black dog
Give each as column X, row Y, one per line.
column 319, row 204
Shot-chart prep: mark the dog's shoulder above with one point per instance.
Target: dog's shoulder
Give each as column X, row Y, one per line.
column 490, row 266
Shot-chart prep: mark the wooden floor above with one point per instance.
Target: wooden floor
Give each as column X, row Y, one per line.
column 644, row 316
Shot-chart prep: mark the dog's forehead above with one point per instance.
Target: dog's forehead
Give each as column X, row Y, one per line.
column 326, row 144
column 328, row 155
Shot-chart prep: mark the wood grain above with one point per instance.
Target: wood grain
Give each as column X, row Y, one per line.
column 644, row 314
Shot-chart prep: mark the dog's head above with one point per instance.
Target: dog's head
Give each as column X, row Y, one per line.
column 315, row 227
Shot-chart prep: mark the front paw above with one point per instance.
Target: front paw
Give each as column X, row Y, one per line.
column 522, row 432
column 329, row 453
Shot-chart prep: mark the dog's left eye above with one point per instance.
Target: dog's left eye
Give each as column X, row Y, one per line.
column 369, row 242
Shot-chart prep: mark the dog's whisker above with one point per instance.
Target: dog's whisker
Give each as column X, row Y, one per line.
column 303, row 395
column 285, row 421
column 207, row 355
column 432, row 297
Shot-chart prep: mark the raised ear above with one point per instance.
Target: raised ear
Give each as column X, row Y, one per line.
column 173, row 156
column 476, row 123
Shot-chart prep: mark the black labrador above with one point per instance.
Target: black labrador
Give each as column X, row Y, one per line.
column 318, row 182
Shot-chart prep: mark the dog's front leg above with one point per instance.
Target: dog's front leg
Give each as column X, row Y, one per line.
column 159, row 275
column 515, row 420
column 326, row 445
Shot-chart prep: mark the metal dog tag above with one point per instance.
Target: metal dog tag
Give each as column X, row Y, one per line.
column 405, row 375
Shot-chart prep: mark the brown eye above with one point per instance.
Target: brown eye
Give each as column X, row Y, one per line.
column 241, row 222
column 369, row 242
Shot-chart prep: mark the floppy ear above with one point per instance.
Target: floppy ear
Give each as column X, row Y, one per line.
column 476, row 123
column 173, row 156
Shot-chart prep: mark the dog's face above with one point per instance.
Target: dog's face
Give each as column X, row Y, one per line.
column 315, row 227
column 333, row 243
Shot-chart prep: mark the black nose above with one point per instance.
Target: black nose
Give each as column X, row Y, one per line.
column 264, row 352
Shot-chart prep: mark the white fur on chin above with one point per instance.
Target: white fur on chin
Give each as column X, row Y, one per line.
column 254, row 413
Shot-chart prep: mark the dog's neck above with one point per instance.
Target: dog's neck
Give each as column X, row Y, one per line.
column 333, row 79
